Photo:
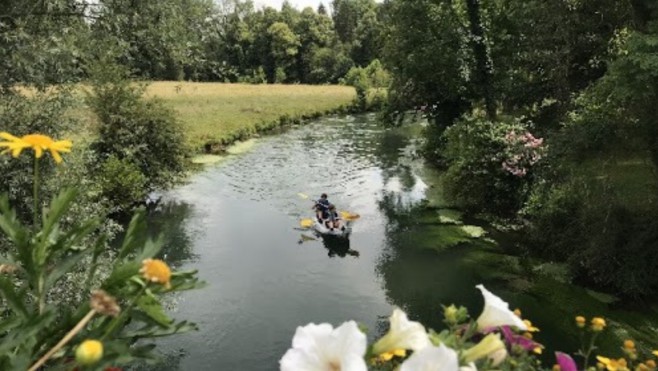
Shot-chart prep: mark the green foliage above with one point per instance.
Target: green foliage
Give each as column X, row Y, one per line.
column 136, row 131
column 122, row 182
column 40, row 257
column 365, row 80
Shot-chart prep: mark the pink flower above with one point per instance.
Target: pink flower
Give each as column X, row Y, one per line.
column 566, row 362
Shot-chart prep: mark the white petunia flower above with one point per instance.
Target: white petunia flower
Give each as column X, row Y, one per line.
column 323, row 348
column 496, row 313
column 432, row 358
column 403, row 334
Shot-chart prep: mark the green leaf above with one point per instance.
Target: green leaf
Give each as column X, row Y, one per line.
column 14, row 299
column 150, row 249
column 153, row 309
column 121, row 274
column 152, row 332
column 135, row 235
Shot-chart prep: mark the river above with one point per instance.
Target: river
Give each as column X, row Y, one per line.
column 236, row 222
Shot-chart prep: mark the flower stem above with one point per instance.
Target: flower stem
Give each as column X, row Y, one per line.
column 120, row 318
column 35, row 194
column 74, row 331
column 590, row 349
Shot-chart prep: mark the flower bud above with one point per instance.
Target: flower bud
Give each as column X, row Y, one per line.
column 580, row 321
column 89, row 352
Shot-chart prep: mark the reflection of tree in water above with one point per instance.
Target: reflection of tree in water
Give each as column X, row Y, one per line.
column 420, row 280
column 338, row 246
column 168, row 220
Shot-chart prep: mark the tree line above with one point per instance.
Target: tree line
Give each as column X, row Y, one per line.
column 200, row 40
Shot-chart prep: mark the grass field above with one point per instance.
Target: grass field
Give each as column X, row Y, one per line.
column 217, row 112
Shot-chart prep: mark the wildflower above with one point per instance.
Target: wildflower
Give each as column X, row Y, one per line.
column 655, row 353
column 37, row 142
column 403, row 334
column 650, row 363
column 385, row 357
column 565, row 362
column 105, row 304
column 580, row 321
column 490, row 344
column 642, row 367
column 517, row 311
column 155, row 270
column 598, row 324
column 612, row 364
column 89, row 352
column 530, row 327
column 432, row 358
column 629, row 345
column 496, row 313
column 519, row 341
column 321, row 347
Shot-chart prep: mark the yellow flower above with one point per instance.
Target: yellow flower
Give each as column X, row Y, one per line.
column 612, row 364
column 37, row 142
column 642, row 367
column 385, row 357
column 655, row 353
column 556, row 368
column 650, row 363
column 530, row 327
column 517, row 311
column 629, row 345
column 89, row 352
column 155, row 270
column 598, row 324
column 580, row 321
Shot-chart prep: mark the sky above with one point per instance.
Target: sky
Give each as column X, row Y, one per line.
column 299, row 4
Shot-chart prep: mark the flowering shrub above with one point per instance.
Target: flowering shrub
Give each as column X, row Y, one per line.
column 40, row 329
column 490, row 163
column 499, row 339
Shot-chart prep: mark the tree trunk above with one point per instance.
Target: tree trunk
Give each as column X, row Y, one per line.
column 482, row 68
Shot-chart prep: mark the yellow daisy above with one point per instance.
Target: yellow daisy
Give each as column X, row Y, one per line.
column 155, row 270
column 38, row 142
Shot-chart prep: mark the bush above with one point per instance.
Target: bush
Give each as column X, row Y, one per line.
column 137, row 131
column 490, row 164
column 121, row 182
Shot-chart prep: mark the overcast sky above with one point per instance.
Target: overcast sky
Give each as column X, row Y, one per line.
column 299, row 4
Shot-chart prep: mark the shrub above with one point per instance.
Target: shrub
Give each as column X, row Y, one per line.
column 122, row 182
column 134, row 130
column 490, row 164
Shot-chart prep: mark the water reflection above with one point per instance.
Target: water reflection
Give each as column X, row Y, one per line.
column 338, row 246
column 170, row 221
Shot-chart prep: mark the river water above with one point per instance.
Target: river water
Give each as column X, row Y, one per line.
column 236, row 222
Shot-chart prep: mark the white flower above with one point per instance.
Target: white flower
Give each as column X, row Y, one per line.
column 496, row 313
column 469, row 367
column 403, row 334
column 323, row 348
column 432, row 358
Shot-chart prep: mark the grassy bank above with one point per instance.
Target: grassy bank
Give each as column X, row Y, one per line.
column 222, row 113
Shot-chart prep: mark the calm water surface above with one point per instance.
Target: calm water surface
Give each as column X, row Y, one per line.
column 236, row 223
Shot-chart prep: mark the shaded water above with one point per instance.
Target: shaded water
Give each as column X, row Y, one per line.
column 235, row 222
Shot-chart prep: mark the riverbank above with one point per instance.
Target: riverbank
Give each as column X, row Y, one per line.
column 217, row 114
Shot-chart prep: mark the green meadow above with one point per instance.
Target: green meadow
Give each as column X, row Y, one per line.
column 222, row 113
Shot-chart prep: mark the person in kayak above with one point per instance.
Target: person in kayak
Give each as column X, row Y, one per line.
column 321, row 207
column 333, row 220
